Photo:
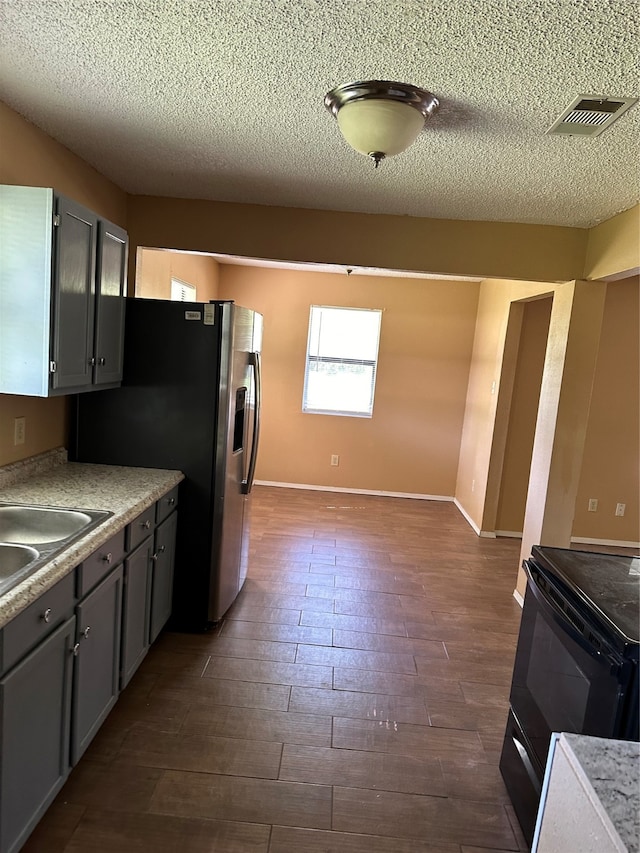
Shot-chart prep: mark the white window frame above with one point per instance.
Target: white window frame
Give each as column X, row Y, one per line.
column 340, row 360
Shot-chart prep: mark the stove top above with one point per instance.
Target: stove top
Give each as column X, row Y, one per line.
column 608, row 583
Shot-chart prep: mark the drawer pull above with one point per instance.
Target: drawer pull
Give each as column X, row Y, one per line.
column 46, row 616
column 108, row 558
column 75, row 650
column 145, row 524
column 86, row 631
column 171, row 501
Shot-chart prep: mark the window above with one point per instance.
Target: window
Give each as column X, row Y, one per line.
column 181, row 291
column 342, row 356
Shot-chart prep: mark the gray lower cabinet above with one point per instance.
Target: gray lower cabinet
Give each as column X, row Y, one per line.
column 136, row 609
column 162, row 577
column 35, row 698
column 96, row 677
column 65, row 658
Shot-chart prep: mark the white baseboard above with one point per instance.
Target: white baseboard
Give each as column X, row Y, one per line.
column 485, row 534
column 518, row 597
column 509, row 534
column 618, row 543
column 313, row 488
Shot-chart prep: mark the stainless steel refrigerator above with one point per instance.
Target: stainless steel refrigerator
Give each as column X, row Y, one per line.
column 190, row 400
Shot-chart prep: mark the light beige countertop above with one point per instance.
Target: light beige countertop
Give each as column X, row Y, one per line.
column 49, row 480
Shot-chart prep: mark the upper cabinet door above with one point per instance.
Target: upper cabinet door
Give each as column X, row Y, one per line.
column 72, row 351
column 111, row 281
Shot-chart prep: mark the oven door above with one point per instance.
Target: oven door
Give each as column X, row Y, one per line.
column 567, row 678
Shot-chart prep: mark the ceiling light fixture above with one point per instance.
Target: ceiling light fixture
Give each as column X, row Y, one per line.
column 380, row 118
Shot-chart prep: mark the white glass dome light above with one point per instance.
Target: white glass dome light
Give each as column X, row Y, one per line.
column 380, row 118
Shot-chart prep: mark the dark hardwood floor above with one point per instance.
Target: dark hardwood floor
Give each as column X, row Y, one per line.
column 352, row 701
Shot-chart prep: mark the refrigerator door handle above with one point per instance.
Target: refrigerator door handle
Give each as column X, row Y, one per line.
column 248, row 483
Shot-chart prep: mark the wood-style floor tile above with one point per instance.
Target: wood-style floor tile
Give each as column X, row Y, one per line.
column 269, row 672
column 286, row 839
column 406, row 739
column 242, row 799
column 118, row 788
column 200, row 753
column 278, row 633
column 363, row 769
column 367, row 706
column 248, row 613
column 388, row 643
column 260, row 725
column 352, row 700
column 356, row 658
column 106, row 832
column 234, row 647
column 386, row 625
column 219, row 691
column 439, row 819
column 422, row 687
column 53, row 834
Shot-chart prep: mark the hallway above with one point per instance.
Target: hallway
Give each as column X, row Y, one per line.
column 353, row 700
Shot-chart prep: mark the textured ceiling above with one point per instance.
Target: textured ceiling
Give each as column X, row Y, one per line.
column 223, row 99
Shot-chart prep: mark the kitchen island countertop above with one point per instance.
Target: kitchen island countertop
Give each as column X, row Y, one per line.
column 52, row 481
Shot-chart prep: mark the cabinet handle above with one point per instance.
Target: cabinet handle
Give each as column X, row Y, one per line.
column 171, row 501
column 75, row 650
column 145, row 524
column 46, row 616
column 92, row 362
column 86, row 631
column 160, row 550
column 108, row 558
column 102, row 362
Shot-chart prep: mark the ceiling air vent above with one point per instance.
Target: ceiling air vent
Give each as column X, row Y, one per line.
column 589, row 115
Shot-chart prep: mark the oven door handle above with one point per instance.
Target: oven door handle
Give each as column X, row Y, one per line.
column 602, row 654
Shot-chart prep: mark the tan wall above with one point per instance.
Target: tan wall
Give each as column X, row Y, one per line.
column 611, row 462
column 522, row 416
column 155, row 269
column 613, row 247
column 29, row 157
column 479, row 433
column 411, row 443
column 439, row 246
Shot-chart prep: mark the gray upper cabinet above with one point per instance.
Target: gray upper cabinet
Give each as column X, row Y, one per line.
column 62, row 289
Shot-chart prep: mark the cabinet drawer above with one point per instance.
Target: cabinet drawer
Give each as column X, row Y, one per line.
column 140, row 528
column 166, row 504
column 100, row 563
column 36, row 621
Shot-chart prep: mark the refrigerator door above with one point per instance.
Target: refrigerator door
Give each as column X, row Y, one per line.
column 236, row 455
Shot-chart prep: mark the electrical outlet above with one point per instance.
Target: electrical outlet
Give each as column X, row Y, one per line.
column 335, row 459
column 593, row 504
column 19, row 430
column 620, row 508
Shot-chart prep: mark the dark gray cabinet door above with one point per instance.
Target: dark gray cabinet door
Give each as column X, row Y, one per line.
column 35, row 708
column 162, row 575
column 73, row 296
column 110, row 293
column 135, row 610
column 97, row 662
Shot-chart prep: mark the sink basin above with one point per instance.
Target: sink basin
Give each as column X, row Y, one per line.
column 30, row 536
column 31, row 525
column 15, row 557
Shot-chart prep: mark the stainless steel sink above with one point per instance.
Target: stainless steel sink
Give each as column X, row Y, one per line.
column 15, row 557
column 32, row 535
column 30, row 524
